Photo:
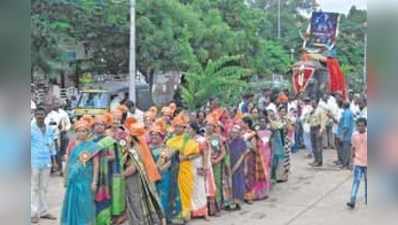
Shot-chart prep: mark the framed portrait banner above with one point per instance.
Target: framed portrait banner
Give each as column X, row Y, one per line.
column 323, row 30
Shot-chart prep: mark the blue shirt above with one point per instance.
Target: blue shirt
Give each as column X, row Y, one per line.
column 244, row 107
column 346, row 125
column 41, row 146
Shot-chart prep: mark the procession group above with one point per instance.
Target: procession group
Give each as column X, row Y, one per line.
column 168, row 165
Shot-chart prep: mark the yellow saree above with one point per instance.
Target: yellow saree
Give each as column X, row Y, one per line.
column 186, row 147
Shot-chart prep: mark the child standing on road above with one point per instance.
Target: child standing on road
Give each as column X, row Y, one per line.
column 360, row 160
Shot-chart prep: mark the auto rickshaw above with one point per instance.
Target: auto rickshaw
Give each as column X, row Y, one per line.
column 96, row 100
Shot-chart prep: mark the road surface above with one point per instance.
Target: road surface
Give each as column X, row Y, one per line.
column 310, row 197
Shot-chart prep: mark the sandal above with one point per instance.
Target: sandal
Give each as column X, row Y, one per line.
column 49, row 217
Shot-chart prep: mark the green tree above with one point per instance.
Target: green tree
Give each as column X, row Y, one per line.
column 221, row 78
column 49, row 32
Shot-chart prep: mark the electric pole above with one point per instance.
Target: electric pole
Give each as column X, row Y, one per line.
column 279, row 19
column 132, row 72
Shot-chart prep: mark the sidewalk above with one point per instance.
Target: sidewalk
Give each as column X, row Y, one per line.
column 310, row 197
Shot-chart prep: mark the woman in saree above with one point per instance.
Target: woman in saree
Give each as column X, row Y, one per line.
column 249, row 135
column 201, row 164
column 278, row 151
column 263, row 162
column 238, row 152
column 287, row 139
column 81, row 179
column 217, row 154
column 117, row 132
column 187, row 148
column 261, row 184
column 163, row 158
column 140, row 172
column 106, row 157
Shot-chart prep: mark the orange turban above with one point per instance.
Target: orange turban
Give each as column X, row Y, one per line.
column 212, row 119
column 82, row 124
column 134, row 127
column 109, row 118
column 282, row 98
column 130, row 121
column 167, row 111
column 89, row 119
column 105, row 118
column 137, row 130
column 159, row 126
column 218, row 113
column 181, row 120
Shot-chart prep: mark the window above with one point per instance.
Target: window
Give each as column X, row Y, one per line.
column 93, row 100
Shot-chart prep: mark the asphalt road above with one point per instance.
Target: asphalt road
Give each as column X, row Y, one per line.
column 310, row 197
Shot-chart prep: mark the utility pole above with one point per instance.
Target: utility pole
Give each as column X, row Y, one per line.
column 132, row 73
column 365, row 77
column 292, row 54
column 279, row 19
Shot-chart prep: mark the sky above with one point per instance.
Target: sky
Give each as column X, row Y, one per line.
column 341, row 6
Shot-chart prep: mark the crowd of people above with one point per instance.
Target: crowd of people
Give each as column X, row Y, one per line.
column 168, row 165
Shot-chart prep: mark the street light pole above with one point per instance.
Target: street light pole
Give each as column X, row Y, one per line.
column 365, row 77
column 279, row 19
column 292, row 54
column 132, row 72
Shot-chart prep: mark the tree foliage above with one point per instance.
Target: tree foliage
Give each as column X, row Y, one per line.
column 221, row 78
column 182, row 35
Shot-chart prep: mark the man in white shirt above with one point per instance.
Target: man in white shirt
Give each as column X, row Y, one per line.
column 116, row 101
column 262, row 102
column 134, row 111
column 32, row 108
column 58, row 120
column 271, row 106
column 335, row 115
column 354, row 104
column 362, row 109
column 305, row 114
column 333, row 109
